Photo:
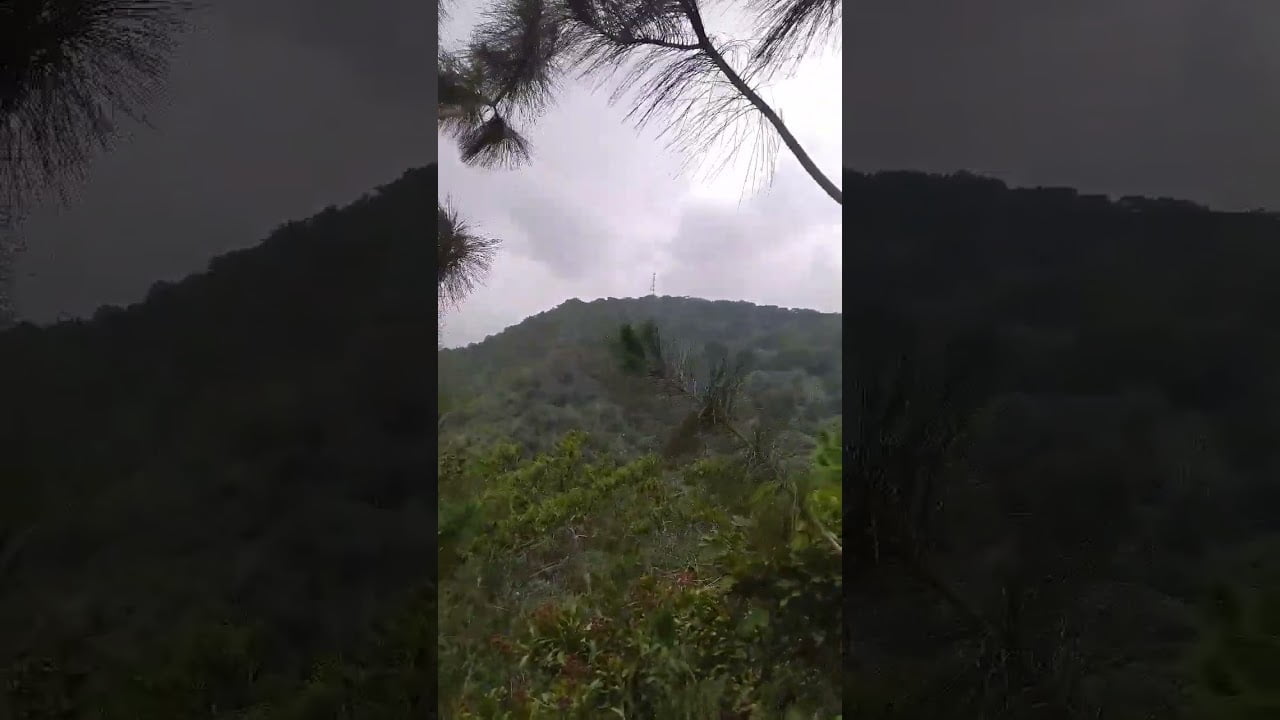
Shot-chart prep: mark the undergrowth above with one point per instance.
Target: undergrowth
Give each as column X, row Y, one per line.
column 581, row 587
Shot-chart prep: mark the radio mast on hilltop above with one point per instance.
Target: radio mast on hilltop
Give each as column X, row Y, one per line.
column 653, row 284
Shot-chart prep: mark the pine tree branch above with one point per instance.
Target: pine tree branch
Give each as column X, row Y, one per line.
column 638, row 41
column 754, row 98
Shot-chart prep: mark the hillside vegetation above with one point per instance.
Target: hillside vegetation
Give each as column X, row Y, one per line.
column 553, row 372
column 643, row 525
column 1086, row 460
column 1058, row 497
column 203, row 494
column 217, row 503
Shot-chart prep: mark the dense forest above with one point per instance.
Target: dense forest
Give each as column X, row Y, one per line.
column 207, row 496
column 626, row 541
column 1062, row 413
column 553, row 372
column 217, row 502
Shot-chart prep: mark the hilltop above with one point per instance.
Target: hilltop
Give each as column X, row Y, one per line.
column 552, row 372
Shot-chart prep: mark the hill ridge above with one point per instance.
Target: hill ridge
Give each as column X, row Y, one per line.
column 553, row 372
column 225, row 432
column 631, row 303
column 283, row 239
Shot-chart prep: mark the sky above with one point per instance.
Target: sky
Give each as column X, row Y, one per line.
column 274, row 110
column 1176, row 98
column 277, row 108
column 603, row 206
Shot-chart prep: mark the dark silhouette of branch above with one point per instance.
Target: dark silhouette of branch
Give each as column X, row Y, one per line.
column 790, row 29
column 517, row 45
column 493, row 143
column 660, row 52
column 68, row 70
column 462, row 256
column 774, row 119
column 508, row 70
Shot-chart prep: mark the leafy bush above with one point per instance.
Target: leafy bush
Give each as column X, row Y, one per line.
column 601, row 589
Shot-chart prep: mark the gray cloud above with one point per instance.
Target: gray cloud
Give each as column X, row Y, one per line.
column 597, row 222
column 570, row 243
column 1167, row 97
column 778, row 250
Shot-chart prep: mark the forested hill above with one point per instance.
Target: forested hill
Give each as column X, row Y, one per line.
column 1118, row 465
column 552, row 372
column 246, row 446
column 1085, row 295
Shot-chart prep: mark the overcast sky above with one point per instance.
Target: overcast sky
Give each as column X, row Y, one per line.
column 1158, row 97
column 280, row 107
column 602, row 207
column 276, row 109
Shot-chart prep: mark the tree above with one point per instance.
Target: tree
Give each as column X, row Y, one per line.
column 684, row 75
column 715, row 400
column 68, row 70
column 790, row 28
column 462, row 256
column 507, row 74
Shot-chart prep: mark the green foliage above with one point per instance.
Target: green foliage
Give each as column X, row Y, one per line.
column 1234, row 663
column 640, row 350
column 1237, row 661
column 603, row 588
column 576, row 367
column 826, row 492
column 244, row 529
